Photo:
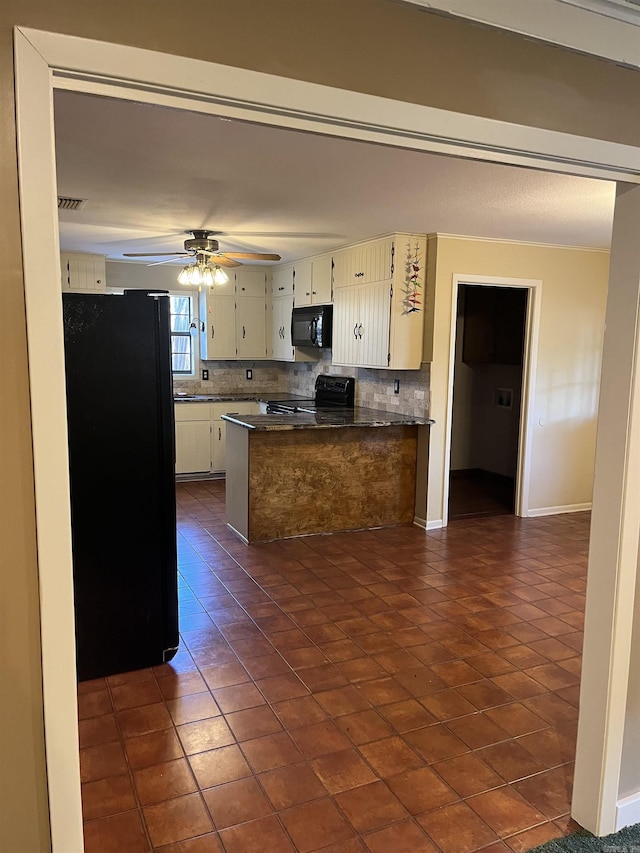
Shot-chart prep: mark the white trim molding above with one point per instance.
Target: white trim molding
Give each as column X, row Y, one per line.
column 532, row 331
column 539, row 512
column 171, row 81
column 628, row 811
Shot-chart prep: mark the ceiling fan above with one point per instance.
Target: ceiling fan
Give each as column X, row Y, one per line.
column 203, row 249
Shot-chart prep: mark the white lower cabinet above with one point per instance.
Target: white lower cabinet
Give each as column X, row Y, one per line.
column 218, row 429
column 200, row 434
column 193, row 438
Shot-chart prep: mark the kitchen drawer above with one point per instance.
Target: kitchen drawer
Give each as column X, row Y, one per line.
column 193, row 411
column 244, row 407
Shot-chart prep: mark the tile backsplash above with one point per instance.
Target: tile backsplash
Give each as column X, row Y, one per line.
column 374, row 388
column 230, row 377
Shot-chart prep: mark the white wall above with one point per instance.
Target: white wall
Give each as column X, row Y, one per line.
column 565, row 395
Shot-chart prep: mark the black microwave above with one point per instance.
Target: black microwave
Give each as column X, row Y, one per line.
column 311, row 326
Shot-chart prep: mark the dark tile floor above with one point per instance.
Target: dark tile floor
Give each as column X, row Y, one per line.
column 381, row 691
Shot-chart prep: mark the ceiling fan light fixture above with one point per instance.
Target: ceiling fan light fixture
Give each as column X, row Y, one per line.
column 220, row 276
column 183, row 278
column 207, row 276
column 195, row 275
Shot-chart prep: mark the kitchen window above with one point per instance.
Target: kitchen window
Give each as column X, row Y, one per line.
column 182, row 356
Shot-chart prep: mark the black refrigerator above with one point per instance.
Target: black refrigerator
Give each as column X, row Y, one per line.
column 122, row 472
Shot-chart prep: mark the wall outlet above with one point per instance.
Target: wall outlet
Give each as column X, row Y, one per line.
column 249, row 374
column 205, row 374
column 396, row 386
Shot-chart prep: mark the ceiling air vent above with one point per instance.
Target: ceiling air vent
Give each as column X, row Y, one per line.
column 65, row 203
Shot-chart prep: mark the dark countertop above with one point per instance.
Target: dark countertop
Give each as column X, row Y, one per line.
column 215, row 398
column 330, row 418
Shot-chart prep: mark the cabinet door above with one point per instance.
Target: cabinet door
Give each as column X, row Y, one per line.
column 218, row 341
column 341, row 272
column 321, row 269
column 251, row 327
column 281, row 347
column 373, row 325
column 282, row 280
column 83, row 272
column 251, row 282
column 346, row 305
column 193, row 447
column 364, row 264
column 218, row 446
column 302, row 282
column 219, row 427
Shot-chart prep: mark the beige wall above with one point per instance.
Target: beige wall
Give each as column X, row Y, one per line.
column 568, row 368
column 372, row 46
column 629, row 772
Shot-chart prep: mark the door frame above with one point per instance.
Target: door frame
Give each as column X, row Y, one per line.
column 529, row 365
column 45, row 60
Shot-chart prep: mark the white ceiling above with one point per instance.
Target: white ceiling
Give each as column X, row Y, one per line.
column 150, row 173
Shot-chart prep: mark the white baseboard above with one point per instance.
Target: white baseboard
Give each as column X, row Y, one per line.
column 428, row 525
column 628, row 811
column 558, row 510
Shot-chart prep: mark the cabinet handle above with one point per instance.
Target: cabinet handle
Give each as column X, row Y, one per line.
column 358, row 274
column 315, row 292
column 219, row 433
column 360, row 331
column 212, row 332
column 355, row 331
column 307, row 293
column 244, row 334
column 281, row 288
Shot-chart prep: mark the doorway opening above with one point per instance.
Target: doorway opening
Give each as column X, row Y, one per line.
column 490, row 336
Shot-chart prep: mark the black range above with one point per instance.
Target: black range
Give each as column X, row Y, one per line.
column 330, row 392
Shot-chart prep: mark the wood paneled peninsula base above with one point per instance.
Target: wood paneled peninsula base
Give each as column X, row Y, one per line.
column 292, row 475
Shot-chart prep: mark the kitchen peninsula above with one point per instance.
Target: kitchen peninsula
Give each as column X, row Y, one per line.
column 296, row 474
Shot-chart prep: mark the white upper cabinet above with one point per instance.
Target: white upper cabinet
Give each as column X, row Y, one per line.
column 281, row 347
column 82, row 272
column 250, row 281
column 282, row 281
column 302, row 282
column 218, row 340
column 378, row 296
column 251, row 327
column 313, row 281
column 362, row 315
column 364, row 263
column 321, row 280
column 235, row 317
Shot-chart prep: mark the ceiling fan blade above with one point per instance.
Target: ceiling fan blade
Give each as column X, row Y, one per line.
column 157, row 263
column 154, row 254
column 224, row 262
column 256, row 256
